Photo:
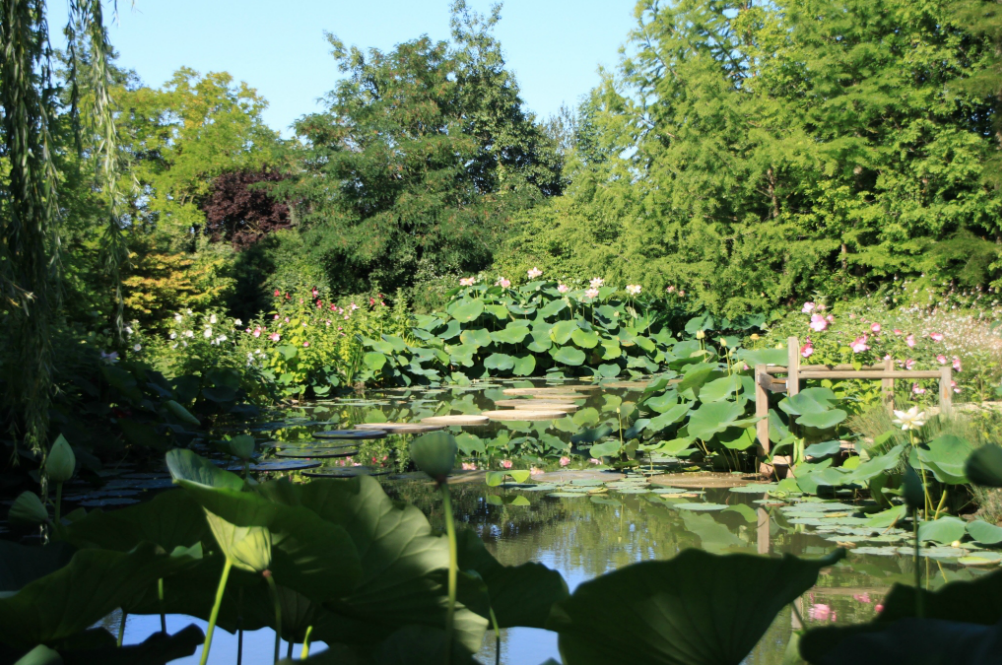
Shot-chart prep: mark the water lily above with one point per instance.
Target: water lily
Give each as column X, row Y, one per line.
column 875, row 328
column 937, row 337
column 506, row 464
column 859, row 344
column 910, row 341
column 633, row 289
column 808, row 307
column 910, row 419
column 596, row 282
column 956, row 364
column 534, row 273
column 807, row 350
column 818, row 323
column 465, row 281
column 941, row 359
column 564, row 461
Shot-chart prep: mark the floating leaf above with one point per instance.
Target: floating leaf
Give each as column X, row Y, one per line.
column 568, row 355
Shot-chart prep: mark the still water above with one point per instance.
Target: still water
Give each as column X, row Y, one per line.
column 585, row 519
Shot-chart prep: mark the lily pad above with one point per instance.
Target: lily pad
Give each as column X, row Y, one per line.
column 699, row 507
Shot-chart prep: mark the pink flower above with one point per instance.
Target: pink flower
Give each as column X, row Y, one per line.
column 274, row 337
column 887, row 356
column 830, row 318
column 469, row 466
column 956, row 364
column 909, row 364
column 859, row 345
column 671, row 289
column 534, row 273
column 595, row 461
column 596, row 282
column 503, row 283
column 276, row 317
column 592, row 293
column 862, row 598
column 808, row 307
column 910, row 341
column 879, row 607
column 917, row 389
column 563, row 288
column 564, row 461
column 466, row 281
column 875, row 328
column 941, row 359
column 818, row 323
column 535, row 471
column 807, row 350
column 820, row 612
column 852, row 315
column 278, row 293
column 897, row 331
column 953, row 384
column 681, row 293
column 306, row 343
column 937, row 337
column 257, row 332
column 506, row 463
column 315, row 291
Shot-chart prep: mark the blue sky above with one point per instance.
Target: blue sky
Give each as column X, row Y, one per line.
column 554, row 46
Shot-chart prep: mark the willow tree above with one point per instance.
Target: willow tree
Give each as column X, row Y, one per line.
column 29, row 178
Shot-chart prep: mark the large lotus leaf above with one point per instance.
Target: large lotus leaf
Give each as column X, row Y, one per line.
column 721, row 388
column 479, row 337
column 466, row 310
column 70, row 600
column 714, row 417
column 568, row 355
column 513, row 334
column 823, row 449
column 525, row 365
column 185, row 465
column 311, row 555
column 984, row 533
column 663, row 402
column 562, row 330
column 552, row 308
column 984, row 466
column 876, row 466
column 592, row 435
column 586, row 416
column 606, row 449
column 584, row 338
column 519, row 595
column 669, row 417
column 609, row 370
column 499, row 312
column 374, row 360
column 696, row 609
column 403, row 565
column 172, row 519
column 763, row 356
column 823, row 419
column 247, row 547
column 541, row 341
column 499, row 362
column 698, row 375
column 451, row 330
column 22, row 564
column 809, row 400
column 98, row 646
column 470, row 443
column 738, row 438
column 611, row 350
column 463, row 355
column 948, row 453
column 976, row 602
column 944, row 530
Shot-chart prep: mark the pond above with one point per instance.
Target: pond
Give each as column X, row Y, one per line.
column 575, row 515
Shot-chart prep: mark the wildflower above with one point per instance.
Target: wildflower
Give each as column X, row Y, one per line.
column 808, row 308
column 503, row 283
column 818, row 323
column 953, row 384
column 564, row 461
column 137, row 347
column 671, row 289
column 221, row 338
column 128, row 330
column 941, row 359
column 596, row 282
column 534, row 273
column 910, row 419
column 633, row 289
column 174, row 346
column 875, row 328
column 208, row 333
column 353, row 306
column 506, row 463
column 320, row 304
column 212, row 318
column 807, row 350
column 305, row 344
column 917, row 389
column 859, row 344
column 286, row 319
column 862, row 598
column 237, row 323
column 681, row 294
column 909, row 364
column 189, row 333
column 467, row 281
column 830, row 318
column 592, row 293
column 910, row 341
column 274, row 337
column 178, row 318
column 595, row 461
column 956, row 364
column 563, row 288
column 173, row 335
column 937, row 337
column 315, row 291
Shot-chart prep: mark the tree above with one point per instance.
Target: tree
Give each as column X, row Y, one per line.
column 239, row 211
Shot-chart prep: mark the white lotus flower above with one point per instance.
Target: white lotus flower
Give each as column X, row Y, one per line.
column 910, row 419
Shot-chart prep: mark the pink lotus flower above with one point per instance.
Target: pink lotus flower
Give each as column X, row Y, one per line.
column 469, row 466
column 875, row 328
column 808, row 308
column 807, row 350
column 671, row 289
column 534, row 273
column 535, row 471
column 503, row 283
column 506, row 463
column 909, row 364
column 937, row 337
column 466, row 281
column 956, row 364
column 818, row 323
column 274, row 337
column 910, row 341
column 941, row 359
column 917, row 389
column 563, row 288
column 859, row 345
column 596, row 282
column 564, row 461
column 592, row 293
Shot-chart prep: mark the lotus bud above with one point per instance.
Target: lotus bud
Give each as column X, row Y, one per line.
column 28, row 510
column 913, row 493
column 700, row 335
column 435, row 454
column 242, row 446
column 61, row 462
column 182, row 413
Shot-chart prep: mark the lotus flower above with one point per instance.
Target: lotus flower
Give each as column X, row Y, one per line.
column 633, row 289
column 563, row 288
column 535, row 471
column 564, row 461
column 467, row 281
column 910, row 419
column 875, row 328
column 592, row 293
column 534, row 273
column 506, row 463
column 503, row 283
column 807, row 350
column 859, row 344
column 956, row 364
column 937, row 337
column 469, row 466
column 910, row 341
column 596, row 282
column 818, row 323
column 595, row 461
column 808, row 307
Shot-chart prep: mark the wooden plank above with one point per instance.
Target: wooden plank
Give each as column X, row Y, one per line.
column 780, row 369
column 946, row 390
column 763, row 380
column 872, row 374
column 887, row 385
column 793, row 366
column 762, row 410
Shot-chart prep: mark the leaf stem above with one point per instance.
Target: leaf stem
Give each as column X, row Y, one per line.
column 278, row 613
column 160, row 597
column 450, row 530
column 305, row 653
column 121, row 624
column 215, row 610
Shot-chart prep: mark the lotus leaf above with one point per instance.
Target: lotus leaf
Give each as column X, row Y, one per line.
column 809, row 400
column 466, row 310
column 479, row 337
column 714, row 417
column 541, row 341
column 944, row 530
column 984, row 533
column 499, row 362
column 606, row 449
column 946, row 456
column 822, row 420
column 585, row 339
column 721, row 388
column 562, row 330
column 823, row 449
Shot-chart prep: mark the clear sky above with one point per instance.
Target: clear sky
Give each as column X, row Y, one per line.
column 554, row 46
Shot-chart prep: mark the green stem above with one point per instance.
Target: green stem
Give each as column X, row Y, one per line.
column 450, row 530
column 305, row 653
column 160, row 597
column 59, row 500
column 918, row 567
column 942, row 499
column 215, row 611
column 278, row 613
column 121, row 624
column 497, row 638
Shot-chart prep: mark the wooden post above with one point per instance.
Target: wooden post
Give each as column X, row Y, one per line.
column 793, row 366
column 946, row 390
column 762, row 411
column 887, row 385
column 762, row 531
